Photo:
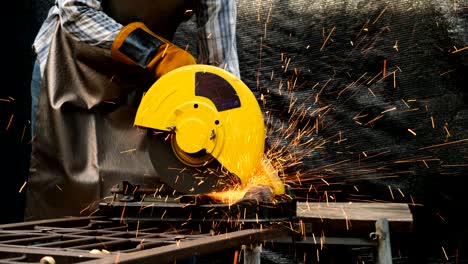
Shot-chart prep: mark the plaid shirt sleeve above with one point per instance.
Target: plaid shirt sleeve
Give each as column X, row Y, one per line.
column 82, row 19
column 216, row 21
column 85, row 21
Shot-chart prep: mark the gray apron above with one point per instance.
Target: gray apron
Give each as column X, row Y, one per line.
column 85, row 142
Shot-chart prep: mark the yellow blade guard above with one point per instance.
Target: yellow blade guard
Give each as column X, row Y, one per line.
column 209, row 109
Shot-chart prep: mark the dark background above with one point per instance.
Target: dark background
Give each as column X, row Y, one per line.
column 362, row 149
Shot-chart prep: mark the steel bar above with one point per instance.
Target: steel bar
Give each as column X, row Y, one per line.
column 56, row 252
column 197, row 247
column 66, row 221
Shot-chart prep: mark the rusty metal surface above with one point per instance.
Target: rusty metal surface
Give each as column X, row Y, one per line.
column 99, row 240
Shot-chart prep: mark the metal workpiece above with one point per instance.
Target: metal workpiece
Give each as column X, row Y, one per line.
column 133, row 204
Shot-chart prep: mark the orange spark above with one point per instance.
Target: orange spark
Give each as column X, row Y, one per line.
column 364, row 28
column 9, row 122
column 445, row 144
column 236, row 256
column 384, row 68
column 127, row 151
column 412, row 132
column 458, row 50
column 378, row 17
column 22, row 134
column 446, row 130
column 325, row 42
column 22, row 187
column 396, row 45
column 425, row 164
column 391, row 192
column 266, row 175
column 93, row 212
column 123, row 212
column 445, row 253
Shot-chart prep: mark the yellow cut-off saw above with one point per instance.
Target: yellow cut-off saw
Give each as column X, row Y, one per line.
column 209, row 131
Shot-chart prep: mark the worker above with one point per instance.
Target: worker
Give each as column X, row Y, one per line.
column 94, row 61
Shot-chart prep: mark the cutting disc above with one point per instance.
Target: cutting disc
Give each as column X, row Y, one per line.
column 208, row 126
column 195, row 173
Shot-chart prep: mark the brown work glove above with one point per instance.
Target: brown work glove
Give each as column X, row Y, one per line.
column 138, row 45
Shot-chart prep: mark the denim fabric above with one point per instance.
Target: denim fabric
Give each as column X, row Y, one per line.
column 35, row 92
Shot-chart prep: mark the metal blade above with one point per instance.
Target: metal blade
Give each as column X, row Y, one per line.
column 206, row 178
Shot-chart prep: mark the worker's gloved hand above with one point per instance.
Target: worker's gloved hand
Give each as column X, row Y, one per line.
column 138, row 45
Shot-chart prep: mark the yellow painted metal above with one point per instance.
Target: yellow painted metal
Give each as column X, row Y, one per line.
column 235, row 137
